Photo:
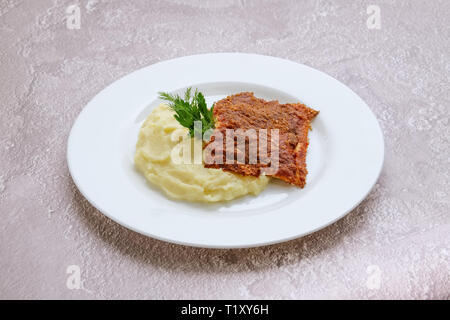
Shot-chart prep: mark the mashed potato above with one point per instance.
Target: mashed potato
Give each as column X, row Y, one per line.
column 154, row 159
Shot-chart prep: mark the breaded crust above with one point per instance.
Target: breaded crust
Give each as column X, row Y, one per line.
column 245, row 111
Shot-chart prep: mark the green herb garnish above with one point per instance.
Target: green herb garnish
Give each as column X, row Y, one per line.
column 190, row 109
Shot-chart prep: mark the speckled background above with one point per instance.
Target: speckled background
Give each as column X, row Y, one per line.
column 394, row 245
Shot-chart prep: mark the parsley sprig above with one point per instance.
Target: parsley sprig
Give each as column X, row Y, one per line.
column 190, row 109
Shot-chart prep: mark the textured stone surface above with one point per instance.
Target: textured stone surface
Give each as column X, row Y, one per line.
column 399, row 235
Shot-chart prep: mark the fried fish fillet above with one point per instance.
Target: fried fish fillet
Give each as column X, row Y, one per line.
column 245, row 111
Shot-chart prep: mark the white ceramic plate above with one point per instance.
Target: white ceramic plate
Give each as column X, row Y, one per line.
column 344, row 158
